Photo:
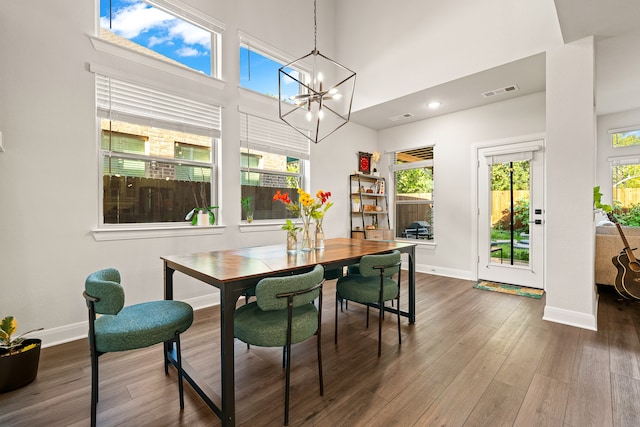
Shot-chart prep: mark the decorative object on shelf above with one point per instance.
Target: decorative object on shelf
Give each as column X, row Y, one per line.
column 246, row 205
column 202, row 214
column 19, row 357
column 356, row 205
column 364, row 162
column 375, row 157
column 292, row 235
column 324, row 105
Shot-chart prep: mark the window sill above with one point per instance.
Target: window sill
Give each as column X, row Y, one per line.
column 102, row 45
column 139, row 231
column 245, row 227
column 426, row 244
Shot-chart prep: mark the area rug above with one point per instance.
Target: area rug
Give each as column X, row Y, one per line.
column 509, row 289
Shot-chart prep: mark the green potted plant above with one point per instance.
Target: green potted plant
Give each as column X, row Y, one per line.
column 246, row 205
column 201, row 214
column 292, row 235
column 19, row 357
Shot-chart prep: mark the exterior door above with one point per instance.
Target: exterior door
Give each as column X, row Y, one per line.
column 511, row 214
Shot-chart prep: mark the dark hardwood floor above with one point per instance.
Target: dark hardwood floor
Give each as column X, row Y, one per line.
column 473, row 358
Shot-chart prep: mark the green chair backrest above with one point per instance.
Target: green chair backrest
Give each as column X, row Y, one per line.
column 268, row 288
column 105, row 285
column 367, row 263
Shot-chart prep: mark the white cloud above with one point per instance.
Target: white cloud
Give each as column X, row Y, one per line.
column 191, row 34
column 132, row 20
column 188, row 51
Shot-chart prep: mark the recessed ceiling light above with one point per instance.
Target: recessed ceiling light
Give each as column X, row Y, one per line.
column 433, row 105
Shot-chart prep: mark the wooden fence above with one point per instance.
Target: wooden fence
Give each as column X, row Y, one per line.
column 500, row 201
column 627, row 196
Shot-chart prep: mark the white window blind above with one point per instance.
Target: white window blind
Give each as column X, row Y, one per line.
column 131, row 102
column 271, row 136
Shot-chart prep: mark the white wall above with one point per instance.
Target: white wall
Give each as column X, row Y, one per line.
column 454, row 135
column 570, row 155
column 49, row 172
column 416, row 44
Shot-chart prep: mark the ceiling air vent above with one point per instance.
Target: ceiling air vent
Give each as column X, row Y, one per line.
column 401, row 117
column 500, row 91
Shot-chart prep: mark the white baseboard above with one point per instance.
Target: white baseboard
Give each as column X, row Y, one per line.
column 447, row 272
column 571, row 318
column 76, row 331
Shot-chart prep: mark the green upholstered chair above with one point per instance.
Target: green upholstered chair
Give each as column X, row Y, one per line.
column 121, row 328
column 372, row 286
column 282, row 314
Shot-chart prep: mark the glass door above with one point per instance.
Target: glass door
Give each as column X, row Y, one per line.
column 510, row 214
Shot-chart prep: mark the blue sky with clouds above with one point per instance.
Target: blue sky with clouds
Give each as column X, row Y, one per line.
column 154, row 29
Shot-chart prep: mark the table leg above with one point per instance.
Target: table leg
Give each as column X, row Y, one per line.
column 227, row 308
column 412, row 285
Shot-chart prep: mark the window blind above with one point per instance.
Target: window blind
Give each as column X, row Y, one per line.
column 131, row 102
column 505, row 156
column 271, row 136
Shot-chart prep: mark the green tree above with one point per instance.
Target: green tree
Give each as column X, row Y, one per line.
column 500, row 176
column 419, row 180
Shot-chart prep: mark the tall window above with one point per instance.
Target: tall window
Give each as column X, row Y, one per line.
column 625, row 174
column 272, row 157
column 413, row 178
column 156, row 151
column 165, row 30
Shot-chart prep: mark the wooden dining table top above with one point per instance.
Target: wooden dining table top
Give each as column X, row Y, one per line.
column 229, row 265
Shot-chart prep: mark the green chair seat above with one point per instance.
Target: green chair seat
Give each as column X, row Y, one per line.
column 142, row 325
column 366, row 291
column 269, row 328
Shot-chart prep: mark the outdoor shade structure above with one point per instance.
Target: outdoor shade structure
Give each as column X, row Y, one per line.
column 323, row 102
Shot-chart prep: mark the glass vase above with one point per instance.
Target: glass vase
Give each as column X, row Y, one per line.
column 319, row 241
column 292, row 242
column 306, row 244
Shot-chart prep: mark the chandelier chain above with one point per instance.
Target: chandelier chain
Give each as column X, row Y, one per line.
column 315, row 27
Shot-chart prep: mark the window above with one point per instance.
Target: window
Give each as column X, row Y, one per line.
column 163, row 30
column 625, row 137
column 156, row 151
column 259, row 65
column 413, row 178
column 272, row 157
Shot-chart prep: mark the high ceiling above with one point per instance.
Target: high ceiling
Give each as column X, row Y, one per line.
column 577, row 18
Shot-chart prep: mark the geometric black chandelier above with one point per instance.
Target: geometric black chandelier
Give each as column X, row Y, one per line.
column 321, row 101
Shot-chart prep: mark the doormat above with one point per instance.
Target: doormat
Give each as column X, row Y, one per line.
column 509, row 289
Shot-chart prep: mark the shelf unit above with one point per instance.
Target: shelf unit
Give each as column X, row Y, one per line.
column 369, row 208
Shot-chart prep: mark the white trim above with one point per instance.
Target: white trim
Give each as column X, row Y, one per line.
column 105, row 46
column 188, row 13
column 153, row 231
column 624, row 160
column 245, row 227
column 264, row 48
column 624, row 129
column 571, row 318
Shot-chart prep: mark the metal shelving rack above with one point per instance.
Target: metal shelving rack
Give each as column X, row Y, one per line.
column 369, row 208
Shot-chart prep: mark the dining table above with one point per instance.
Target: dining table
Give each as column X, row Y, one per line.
column 234, row 271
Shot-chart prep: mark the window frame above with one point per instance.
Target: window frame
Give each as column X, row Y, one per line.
column 184, row 12
column 212, row 131
column 279, row 149
column 627, row 129
column 267, row 51
column 393, row 168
